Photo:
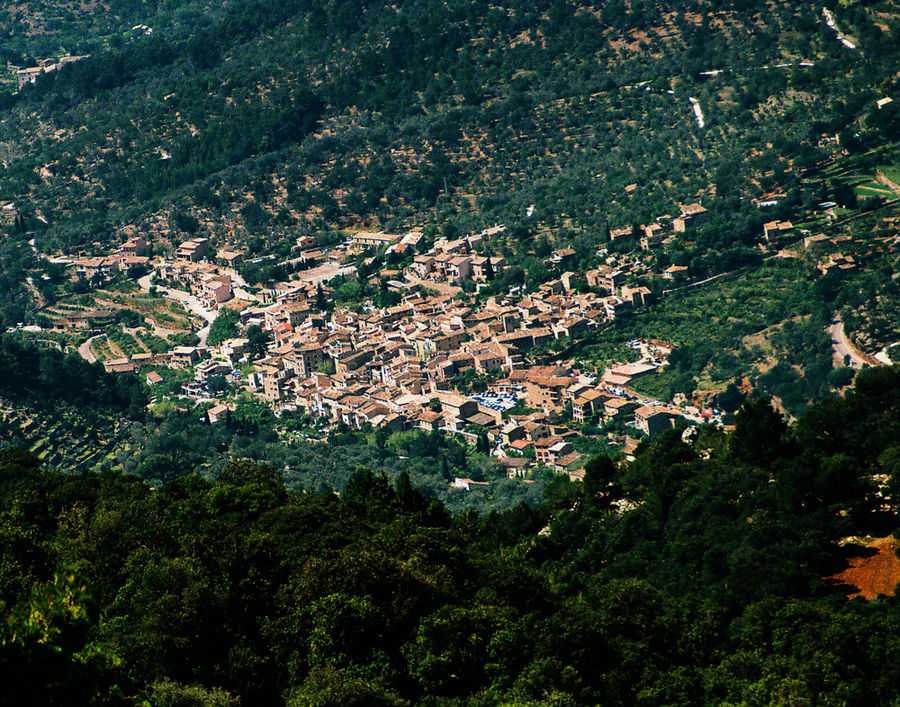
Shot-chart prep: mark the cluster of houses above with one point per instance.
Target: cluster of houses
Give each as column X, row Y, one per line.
column 132, row 253
column 210, row 284
column 409, row 366
column 664, row 228
column 26, row 75
column 456, row 261
column 823, row 248
column 400, row 367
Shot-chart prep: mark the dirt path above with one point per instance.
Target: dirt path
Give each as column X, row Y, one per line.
column 893, row 186
column 188, row 301
column 439, row 287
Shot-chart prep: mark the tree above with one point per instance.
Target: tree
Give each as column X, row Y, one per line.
column 600, row 487
column 759, row 434
column 224, row 327
column 44, row 642
column 488, row 269
column 322, row 303
column 257, row 340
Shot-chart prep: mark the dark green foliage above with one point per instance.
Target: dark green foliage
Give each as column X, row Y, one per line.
column 257, row 340
column 225, row 326
column 45, row 377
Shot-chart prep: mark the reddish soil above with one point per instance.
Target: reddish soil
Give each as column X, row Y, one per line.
column 873, row 574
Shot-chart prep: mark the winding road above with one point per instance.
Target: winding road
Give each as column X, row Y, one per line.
column 843, row 347
column 86, row 352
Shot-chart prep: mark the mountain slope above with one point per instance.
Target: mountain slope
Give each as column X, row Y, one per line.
column 463, row 112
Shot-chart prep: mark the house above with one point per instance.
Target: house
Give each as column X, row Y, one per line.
column 211, row 290
column 153, row 378
column 837, row 262
column 193, row 250
column 637, row 296
column 29, row 75
column 817, row 243
column 133, row 261
column 772, row 198
column 489, row 360
column 562, row 256
column 588, row 403
column 273, row 382
column 459, row 268
column 90, row 268
column 615, row 307
column 776, row 229
column 548, row 451
column 512, row 432
column 282, row 332
column 625, row 373
column 480, row 268
column 692, row 213
column 468, row 484
column 429, row 420
column 605, row 279
column 142, row 359
column 616, row 408
column 546, row 392
column 229, row 257
column 185, row 355
column 674, row 272
column 535, row 430
column 366, row 239
column 306, row 359
column 216, row 413
column 134, row 246
column 423, row 265
column 564, row 462
column 653, row 236
column 516, row 467
column 520, row 445
column 457, row 406
column 572, row 327
column 45, row 66
column 211, row 367
column 482, row 419
column 653, row 419
column 91, row 319
column 118, row 365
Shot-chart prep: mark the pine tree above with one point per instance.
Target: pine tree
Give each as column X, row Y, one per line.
column 488, row 269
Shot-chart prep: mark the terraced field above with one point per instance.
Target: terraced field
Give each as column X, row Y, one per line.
column 62, row 440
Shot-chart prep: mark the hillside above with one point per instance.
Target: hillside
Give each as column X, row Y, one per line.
column 690, row 576
column 293, row 116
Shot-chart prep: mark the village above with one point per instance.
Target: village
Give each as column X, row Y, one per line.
column 495, row 373
column 499, row 371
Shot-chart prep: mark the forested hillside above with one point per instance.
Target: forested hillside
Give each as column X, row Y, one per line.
column 275, row 115
column 696, row 575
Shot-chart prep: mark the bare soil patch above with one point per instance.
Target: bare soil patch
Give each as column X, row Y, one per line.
column 876, row 572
